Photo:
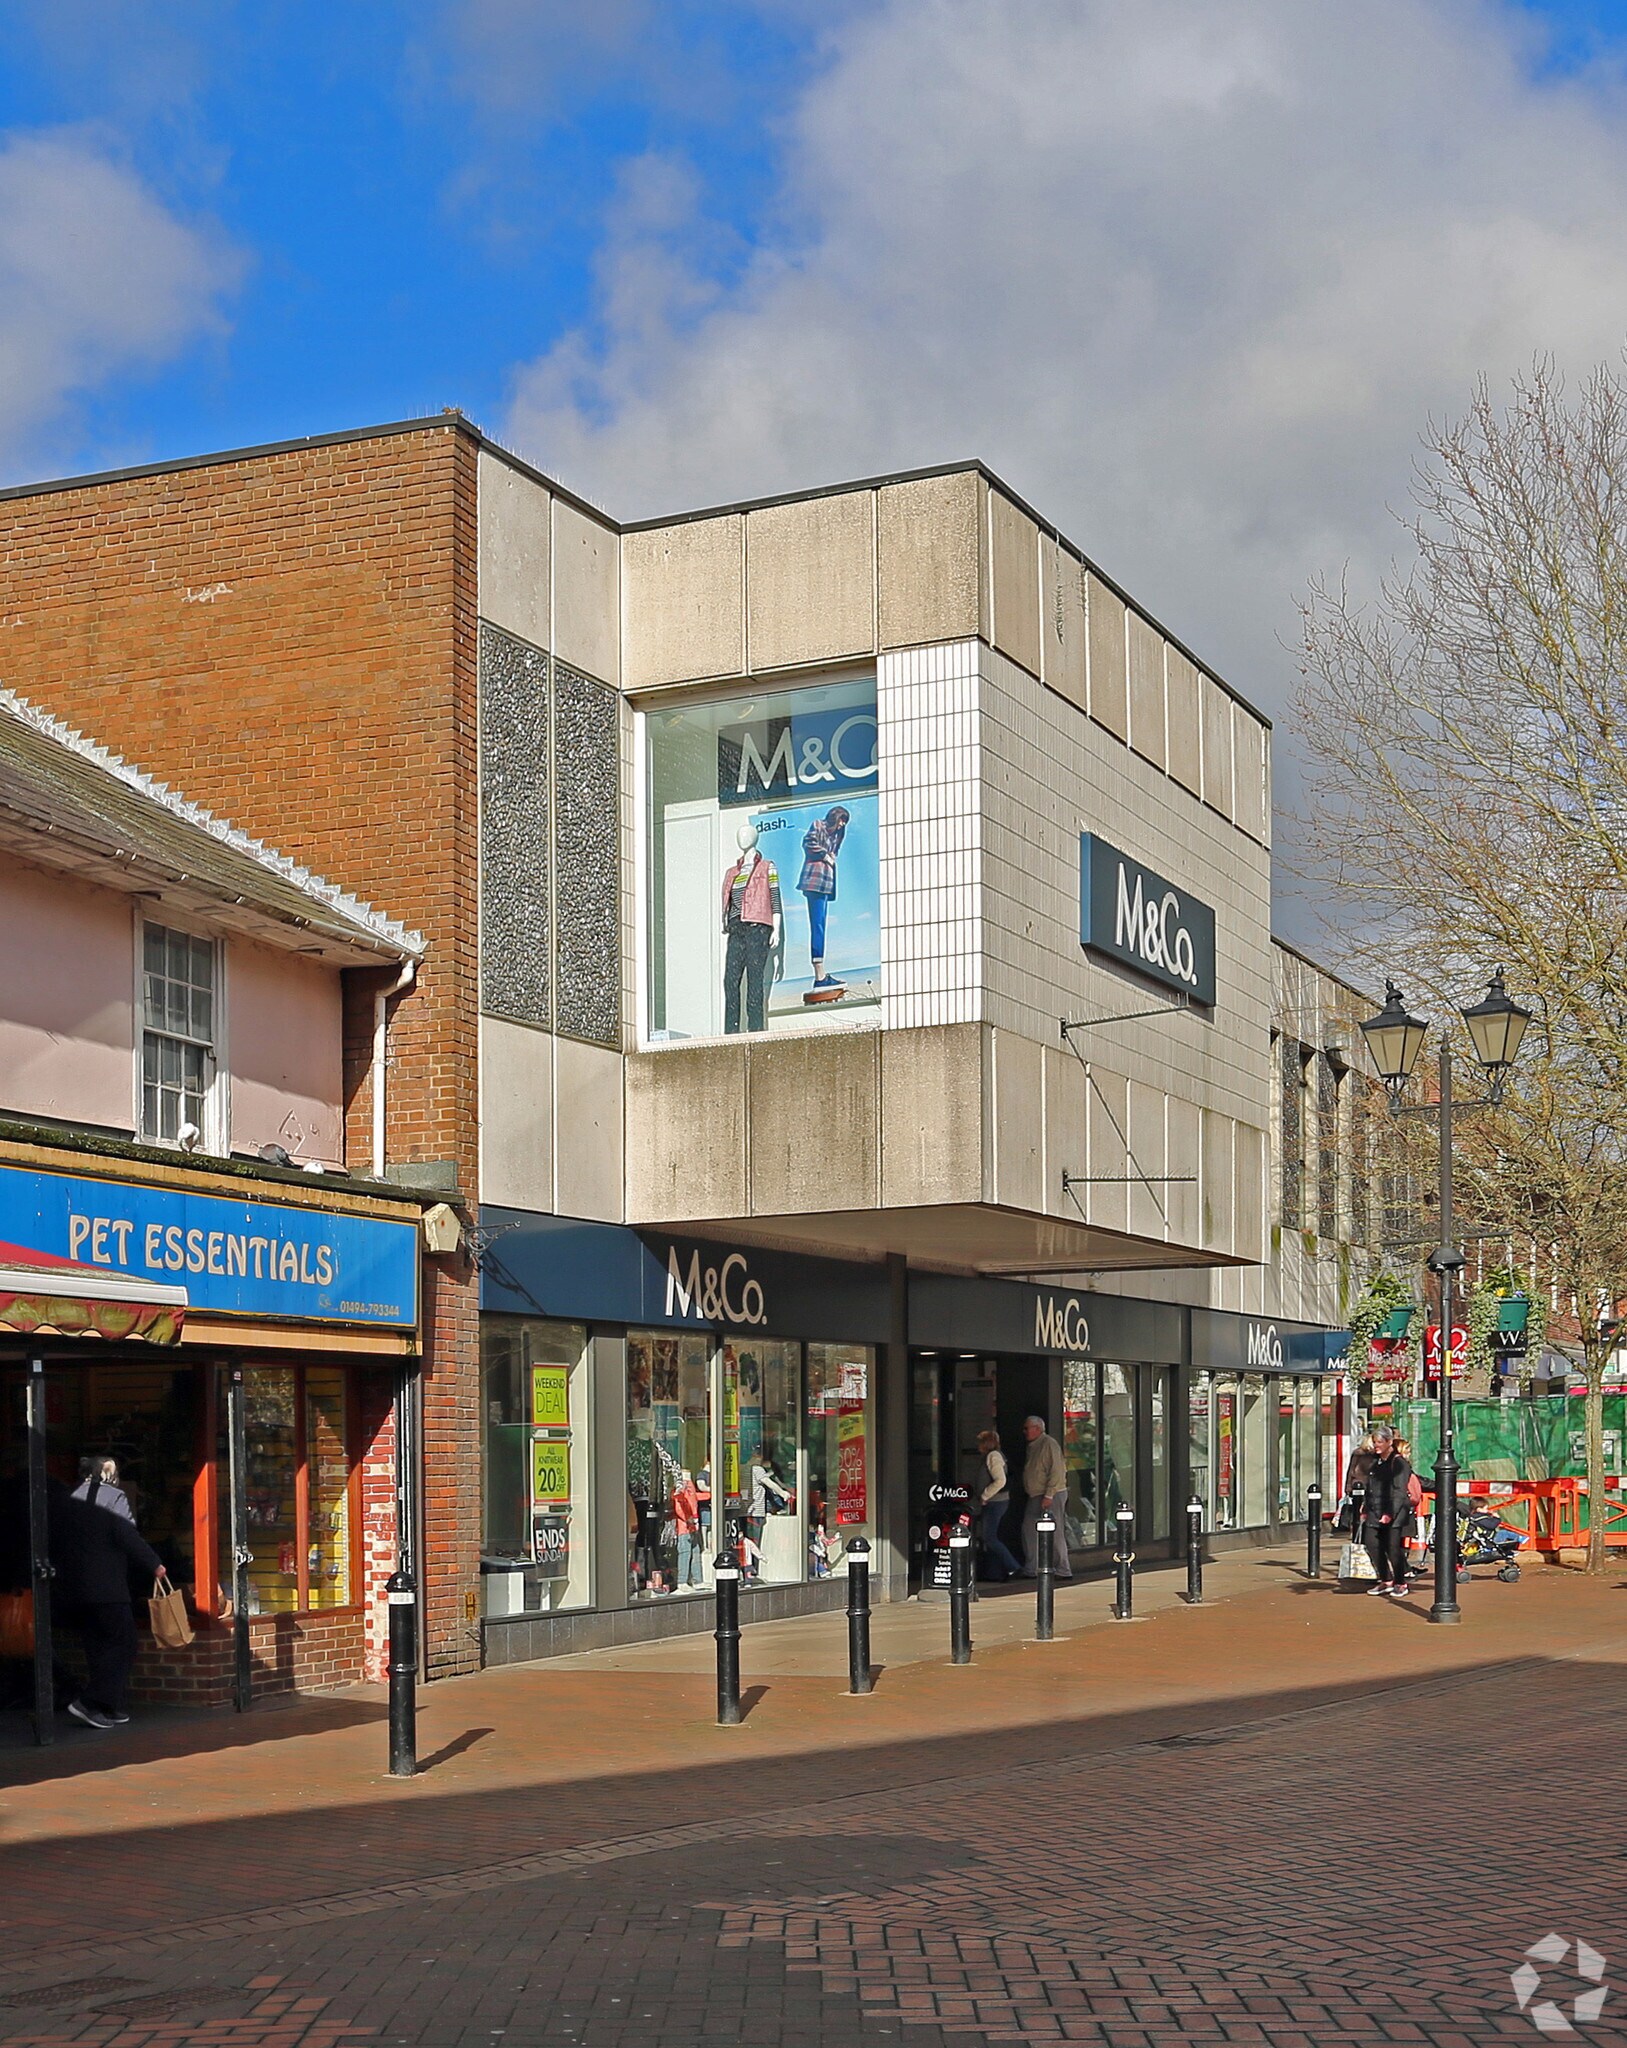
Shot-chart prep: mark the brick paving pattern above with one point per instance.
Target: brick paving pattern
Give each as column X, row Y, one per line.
column 1139, row 1869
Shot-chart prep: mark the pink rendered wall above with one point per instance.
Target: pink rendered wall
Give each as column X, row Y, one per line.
column 285, row 1049
column 67, row 999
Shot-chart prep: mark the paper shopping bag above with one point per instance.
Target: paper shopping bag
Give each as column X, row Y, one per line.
column 1354, row 1563
column 167, row 1612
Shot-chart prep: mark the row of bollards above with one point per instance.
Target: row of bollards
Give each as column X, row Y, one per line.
column 726, row 1574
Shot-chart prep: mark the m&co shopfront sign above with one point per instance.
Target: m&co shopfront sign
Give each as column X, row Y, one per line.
column 232, row 1257
column 1135, row 917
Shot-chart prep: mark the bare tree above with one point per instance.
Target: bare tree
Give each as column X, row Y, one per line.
column 1468, row 805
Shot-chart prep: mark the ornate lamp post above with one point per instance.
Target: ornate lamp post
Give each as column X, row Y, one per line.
column 1395, row 1039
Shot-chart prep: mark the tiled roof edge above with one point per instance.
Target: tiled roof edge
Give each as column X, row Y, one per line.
column 388, row 930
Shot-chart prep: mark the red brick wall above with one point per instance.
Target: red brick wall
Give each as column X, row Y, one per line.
column 292, row 1653
column 289, row 639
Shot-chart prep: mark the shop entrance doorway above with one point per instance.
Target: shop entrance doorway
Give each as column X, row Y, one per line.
column 954, row 1398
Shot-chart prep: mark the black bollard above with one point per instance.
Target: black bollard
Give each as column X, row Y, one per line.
column 859, row 1679
column 403, row 1676
column 1124, row 1558
column 960, row 1597
column 1045, row 1577
column 727, row 1574
column 1313, row 1532
column 1194, row 1552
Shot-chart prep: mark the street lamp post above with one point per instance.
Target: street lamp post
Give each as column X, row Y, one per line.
column 1395, row 1039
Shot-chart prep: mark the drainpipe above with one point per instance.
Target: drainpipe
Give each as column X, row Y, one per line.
column 381, row 1003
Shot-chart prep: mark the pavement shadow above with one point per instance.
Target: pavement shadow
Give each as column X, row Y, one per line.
column 460, row 1745
column 77, row 1750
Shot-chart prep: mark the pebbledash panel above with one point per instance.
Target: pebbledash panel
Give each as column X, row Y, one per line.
column 652, row 1403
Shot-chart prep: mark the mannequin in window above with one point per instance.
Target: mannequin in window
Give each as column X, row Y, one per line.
column 821, row 843
column 754, row 925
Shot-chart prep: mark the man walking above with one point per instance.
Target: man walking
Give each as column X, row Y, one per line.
column 1045, row 1481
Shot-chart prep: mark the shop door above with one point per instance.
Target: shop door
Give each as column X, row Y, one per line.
column 1153, row 1454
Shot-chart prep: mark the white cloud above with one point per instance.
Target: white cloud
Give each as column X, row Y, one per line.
column 97, row 277
column 1190, row 277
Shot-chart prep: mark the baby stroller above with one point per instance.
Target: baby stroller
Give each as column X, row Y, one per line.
column 1484, row 1539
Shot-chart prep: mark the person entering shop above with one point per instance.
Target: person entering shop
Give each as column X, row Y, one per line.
column 993, row 1500
column 93, row 1550
column 99, row 1485
column 1045, row 1481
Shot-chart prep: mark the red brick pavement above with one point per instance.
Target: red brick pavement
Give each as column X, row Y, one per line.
column 1182, row 1832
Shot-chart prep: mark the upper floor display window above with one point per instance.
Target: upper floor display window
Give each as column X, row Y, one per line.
column 179, row 1000
column 764, row 874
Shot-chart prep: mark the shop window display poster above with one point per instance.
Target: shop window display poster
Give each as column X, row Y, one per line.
column 842, row 932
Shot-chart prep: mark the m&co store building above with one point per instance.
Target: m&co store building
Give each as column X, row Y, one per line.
column 243, row 1340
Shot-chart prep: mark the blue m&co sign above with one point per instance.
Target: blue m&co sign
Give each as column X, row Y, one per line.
column 1135, row 917
column 233, row 1258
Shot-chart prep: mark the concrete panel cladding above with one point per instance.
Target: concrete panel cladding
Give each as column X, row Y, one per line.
column 1062, row 622
column 1181, row 699
column 1217, row 747
column 927, row 566
column 586, row 573
column 1108, row 701
column 514, row 550
column 811, row 580
column 1014, row 582
column 1145, row 645
column 515, row 852
column 684, row 602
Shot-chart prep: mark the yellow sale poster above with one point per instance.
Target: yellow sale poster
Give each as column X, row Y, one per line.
column 550, row 1397
column 551, row 1474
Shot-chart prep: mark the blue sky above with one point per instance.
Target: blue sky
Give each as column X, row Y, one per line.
column 1192, row 277
column 402, row 204
column 402, row 201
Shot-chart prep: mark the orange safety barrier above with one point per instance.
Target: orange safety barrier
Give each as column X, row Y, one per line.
column 1548, row 1512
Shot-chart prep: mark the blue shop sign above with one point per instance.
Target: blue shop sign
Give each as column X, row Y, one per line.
column 1135, row 917
column 233, row 1258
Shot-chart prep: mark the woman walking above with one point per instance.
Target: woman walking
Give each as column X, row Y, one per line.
column 1388, row 1514
column 992, row 1501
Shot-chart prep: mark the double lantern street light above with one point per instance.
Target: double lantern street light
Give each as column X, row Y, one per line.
column 1395, row 1039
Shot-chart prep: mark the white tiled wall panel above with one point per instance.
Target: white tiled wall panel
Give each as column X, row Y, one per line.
column 927, row 708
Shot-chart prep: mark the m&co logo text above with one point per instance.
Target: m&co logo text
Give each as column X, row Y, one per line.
column 724, row 1293
column 1060, row 1325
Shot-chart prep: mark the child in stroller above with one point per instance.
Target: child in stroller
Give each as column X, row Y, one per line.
column 1484, row 1539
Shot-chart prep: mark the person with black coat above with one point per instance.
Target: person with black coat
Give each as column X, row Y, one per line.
column 93, row 1551
column 1387, row 1514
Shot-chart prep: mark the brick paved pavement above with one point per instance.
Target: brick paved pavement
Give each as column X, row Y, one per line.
column 1142, row 1837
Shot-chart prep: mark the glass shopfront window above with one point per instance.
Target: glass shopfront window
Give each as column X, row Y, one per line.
column 1081, row 1437
column 1285, row 1450
column 763, row 868
column 1227, row 1454
column 840, row 1446
column 761, row 1403
column 1305, row 1450
column 670, row 1463
column 1200, row 1443
column 1153, row 1516
column 534, row 1385
column 298, row 1485
column 1256, row 1452
column 1118, row 1442
column 754, row 1446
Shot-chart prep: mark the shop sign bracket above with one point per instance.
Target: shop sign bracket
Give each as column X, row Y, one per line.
column 1150, row 1181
